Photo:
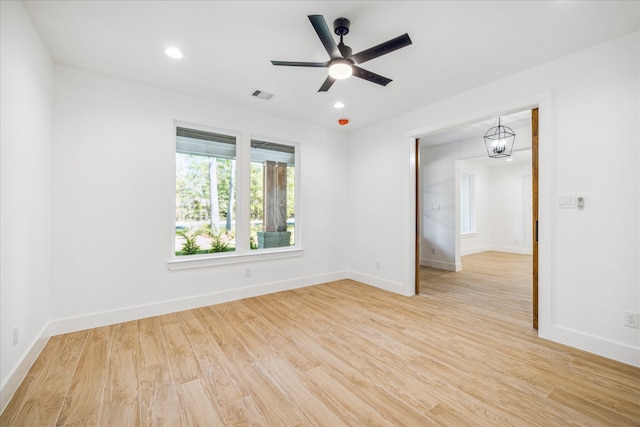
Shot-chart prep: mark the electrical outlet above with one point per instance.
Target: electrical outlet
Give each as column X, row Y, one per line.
column 632, row 319
column 377, row 265
column 16, row 335
column 433, row 251
column 247, row 272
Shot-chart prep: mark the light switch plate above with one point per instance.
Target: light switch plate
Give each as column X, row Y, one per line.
column 566, row 202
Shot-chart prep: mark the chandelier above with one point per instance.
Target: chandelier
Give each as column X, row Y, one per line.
column 499, row 141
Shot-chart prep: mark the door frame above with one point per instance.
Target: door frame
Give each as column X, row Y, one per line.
column 534, row 216
column 535, row 202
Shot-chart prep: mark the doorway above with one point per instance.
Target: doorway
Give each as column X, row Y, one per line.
column 430, row 203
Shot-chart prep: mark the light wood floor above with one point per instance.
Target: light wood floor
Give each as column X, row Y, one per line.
column 338, row 354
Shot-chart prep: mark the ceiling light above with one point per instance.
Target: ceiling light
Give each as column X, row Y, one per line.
column 499, row 141
column 340, row 69
column 338, row 105
column 173, row 52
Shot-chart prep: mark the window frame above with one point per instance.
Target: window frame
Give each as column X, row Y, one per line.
column 243, row 253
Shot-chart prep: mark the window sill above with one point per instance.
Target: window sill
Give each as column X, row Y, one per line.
column 468, row 235
column 200, row 261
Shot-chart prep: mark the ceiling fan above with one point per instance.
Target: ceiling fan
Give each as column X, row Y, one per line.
column 342, row 63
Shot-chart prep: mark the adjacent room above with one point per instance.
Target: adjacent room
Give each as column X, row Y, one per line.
column 290, row 213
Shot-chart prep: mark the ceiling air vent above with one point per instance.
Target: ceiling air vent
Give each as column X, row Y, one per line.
column 262, row 95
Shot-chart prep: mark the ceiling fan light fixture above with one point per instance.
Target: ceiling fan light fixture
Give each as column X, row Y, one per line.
column 340, row 69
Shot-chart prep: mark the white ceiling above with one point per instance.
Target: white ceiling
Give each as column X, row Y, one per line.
column 477, row 130
column 228, row 45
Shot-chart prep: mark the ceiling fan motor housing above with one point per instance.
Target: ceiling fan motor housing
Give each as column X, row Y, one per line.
column 341, row 26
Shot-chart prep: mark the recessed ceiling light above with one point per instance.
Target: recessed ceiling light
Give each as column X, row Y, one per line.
column 509, row 160
column 173, row 52
column 338, row 105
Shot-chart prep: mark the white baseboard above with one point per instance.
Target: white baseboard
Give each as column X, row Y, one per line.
column 448, row 266
column 15, row 378
column 592, row 344
column 472, row 251
column 377, row 282
column 511, row 250
column 94, row 320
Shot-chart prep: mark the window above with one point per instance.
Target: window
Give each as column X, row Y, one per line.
column 467, row 205
column 205, row 192
column 272, row 195
column 235, row 198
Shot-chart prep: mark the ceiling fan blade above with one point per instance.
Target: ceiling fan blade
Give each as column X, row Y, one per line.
column 372, row 77
column 381, row 49
column 327, row 84
column 320, row 25
column 300, row 64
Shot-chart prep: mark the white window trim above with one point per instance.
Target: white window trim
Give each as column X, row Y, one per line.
column 230, row 258
column 243, row 252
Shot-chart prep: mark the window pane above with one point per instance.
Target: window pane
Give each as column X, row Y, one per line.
column 272, row 195
column 205, row 192
column 467, row 208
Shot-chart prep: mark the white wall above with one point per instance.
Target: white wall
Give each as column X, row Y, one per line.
column 588, row 259
column 503, row 208
column 25, row 137
column 480, row 240
column 113, row 180
column 509, row 232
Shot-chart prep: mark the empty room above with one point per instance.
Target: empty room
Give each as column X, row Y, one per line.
column 323, row 213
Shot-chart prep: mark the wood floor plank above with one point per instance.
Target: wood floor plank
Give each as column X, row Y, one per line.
column 121, row 398
column 182, row 362
column 121, row 406
column 345, row 403
column 276, row 409
column 159, row 404
column 462, row 353
column 279, row 372
column 197, row 409
column 151, row 349
column 86, row 392
column 48, row 383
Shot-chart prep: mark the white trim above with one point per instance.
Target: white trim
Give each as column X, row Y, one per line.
column 514, row 250
column 441, row 265
column 94, row 320
column 472, row 251
column 597, row 345
column 377, row 282
column 507, row 249
column 211, row 260
column 15, row 377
